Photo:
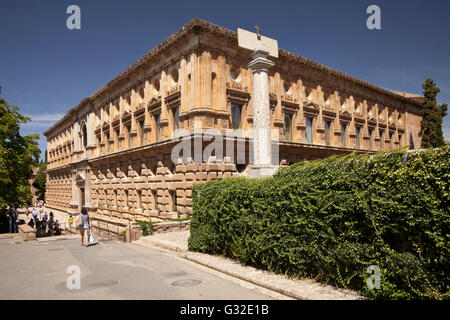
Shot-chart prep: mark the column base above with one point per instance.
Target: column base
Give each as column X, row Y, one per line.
column 261, row 171
column 73, row 208
column 90, row 208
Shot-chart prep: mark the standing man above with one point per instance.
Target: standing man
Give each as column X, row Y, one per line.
column 12, row 220
column 36, row 222
column 34, row 214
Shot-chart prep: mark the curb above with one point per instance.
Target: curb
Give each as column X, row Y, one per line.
column 165, row 245
column 287, row 293
column 185, row 254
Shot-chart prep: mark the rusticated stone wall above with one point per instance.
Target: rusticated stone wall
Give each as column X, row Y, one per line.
column 153, row 196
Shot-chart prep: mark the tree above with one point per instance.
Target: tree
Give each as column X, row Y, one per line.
column 40, row 181
column 431, row 124
column 18, row 155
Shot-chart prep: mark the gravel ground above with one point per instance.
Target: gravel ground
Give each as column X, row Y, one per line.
column 299, row 289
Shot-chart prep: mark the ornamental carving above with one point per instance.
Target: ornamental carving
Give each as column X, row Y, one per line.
column 154, row 104
column 236, row 86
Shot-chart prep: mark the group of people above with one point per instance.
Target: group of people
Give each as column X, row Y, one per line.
column 44, row 224
column 47, row 225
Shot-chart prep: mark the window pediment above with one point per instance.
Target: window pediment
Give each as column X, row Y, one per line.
column 311, row 106
column 345, row 114
column 154, row 103
column 174, row 98
column 237, row 96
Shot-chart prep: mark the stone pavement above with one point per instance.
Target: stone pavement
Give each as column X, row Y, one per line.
column 303, row 289
column 38, row 270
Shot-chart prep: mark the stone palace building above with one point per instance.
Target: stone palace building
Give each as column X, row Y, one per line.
column 112, row 152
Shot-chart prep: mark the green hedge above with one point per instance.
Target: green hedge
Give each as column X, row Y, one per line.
column 330, row 219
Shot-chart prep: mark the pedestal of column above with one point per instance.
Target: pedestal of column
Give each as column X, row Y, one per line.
column 262, row 150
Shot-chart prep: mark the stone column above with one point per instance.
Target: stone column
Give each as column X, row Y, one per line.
column 90, row 127
column 73, row 205
column 87, row 190
column 262, row 153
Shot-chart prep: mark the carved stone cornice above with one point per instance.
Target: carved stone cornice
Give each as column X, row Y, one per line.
column 311, row 107
column 329, row 114
column 126, row 119
column 235, row 86
column 237, row 94
column 154, row 104
column 360, row 121
column 287, row 105
column 358, row 115
column 345, row 116
column 173, row 98
column 287, row 98
column 139, row 112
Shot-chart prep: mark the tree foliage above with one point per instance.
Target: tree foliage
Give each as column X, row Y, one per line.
column 431, row 124
column 331, row 219
column 18, row 155
column 40, row 181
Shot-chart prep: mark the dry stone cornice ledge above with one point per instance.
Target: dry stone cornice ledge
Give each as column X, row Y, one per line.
column 194, row 25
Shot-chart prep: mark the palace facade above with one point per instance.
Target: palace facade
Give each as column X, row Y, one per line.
column 112, row 152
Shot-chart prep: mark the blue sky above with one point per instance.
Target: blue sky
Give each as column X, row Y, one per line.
column 47, row 69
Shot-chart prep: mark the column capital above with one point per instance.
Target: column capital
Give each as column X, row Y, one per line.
column 260, row 61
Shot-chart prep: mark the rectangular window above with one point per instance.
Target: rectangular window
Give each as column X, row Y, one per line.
column 343, row 134
column 107, row 143
column 157, row 128
column 98, row 145
column 176, row 119
column 117, row 139
column 139, row 199
column 173, row 201
column 399, row 140
column 236, row 116
column 154, row 200
column 129, row 137
column 141, row 133
column 327, row 126
column 126, row 198
column 390, row 141
column 370, row 139
column 288, row 126
column 380, row 146
column 358, row 130
column 309, row 130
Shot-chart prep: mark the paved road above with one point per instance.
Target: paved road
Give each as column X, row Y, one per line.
column 109, row 270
